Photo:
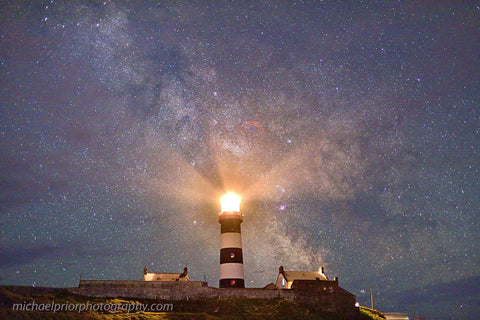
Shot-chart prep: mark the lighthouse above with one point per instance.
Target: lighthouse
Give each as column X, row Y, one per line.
column 231, row 257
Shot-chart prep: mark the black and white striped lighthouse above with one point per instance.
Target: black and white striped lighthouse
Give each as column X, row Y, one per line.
column 231, row 257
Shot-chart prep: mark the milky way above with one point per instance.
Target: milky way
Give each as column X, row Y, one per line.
column 350, row 130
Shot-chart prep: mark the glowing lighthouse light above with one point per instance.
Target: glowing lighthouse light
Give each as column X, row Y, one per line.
column 230, row 202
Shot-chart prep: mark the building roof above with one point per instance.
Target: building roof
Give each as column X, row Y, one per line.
column 303, row 275
column 166, row 274
column 151, row 276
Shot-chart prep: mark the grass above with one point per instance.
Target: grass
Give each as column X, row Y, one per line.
column 367, row 313
column 207, row 309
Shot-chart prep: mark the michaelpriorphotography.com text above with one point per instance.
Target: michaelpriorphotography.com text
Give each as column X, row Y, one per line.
column 92, row 307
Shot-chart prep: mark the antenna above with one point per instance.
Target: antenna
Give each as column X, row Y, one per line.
column 371, row 297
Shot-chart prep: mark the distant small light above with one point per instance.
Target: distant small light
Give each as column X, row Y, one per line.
column 232, row 255
column 357, row 304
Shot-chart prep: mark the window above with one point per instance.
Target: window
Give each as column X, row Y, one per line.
column 231, row 255
column 230, row 225
column 283, row 282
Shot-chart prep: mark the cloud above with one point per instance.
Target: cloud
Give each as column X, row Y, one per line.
column 28, row 254
column 455, row 298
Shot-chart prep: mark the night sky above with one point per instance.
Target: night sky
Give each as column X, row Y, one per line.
column 351, row 131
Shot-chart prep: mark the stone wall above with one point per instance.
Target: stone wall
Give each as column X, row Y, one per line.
column 325, row 296
column 172, row 290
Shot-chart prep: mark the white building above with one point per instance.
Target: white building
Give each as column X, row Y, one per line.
column 150, row 276
column 395, row 316
column 285, row 278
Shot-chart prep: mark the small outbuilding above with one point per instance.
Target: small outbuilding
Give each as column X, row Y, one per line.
column 150, row 276
column 285, row 278
column 314, row 288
